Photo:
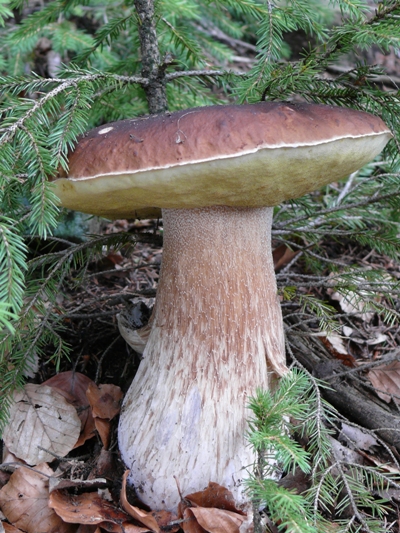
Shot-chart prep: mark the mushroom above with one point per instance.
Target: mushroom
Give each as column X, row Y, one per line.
column 216, row 328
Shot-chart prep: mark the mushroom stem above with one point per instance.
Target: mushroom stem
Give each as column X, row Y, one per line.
column 216, row 336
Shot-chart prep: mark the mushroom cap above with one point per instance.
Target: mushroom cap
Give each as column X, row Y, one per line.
column 249, row 155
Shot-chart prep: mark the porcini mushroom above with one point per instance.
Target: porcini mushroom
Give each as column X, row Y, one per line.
column 216, row 329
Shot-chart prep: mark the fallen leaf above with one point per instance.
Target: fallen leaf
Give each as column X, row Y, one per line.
column 356, row 437
column 189, row 524
column 105, row 400
column 386, row 380
column 125, row 527
column 41, row 419
column 379, row 338
column 141, row 516
column 136, row 338
column 24, row 502
column 105, row 466
column 103, row 427
column 297, row 481
column 335, row 344
column 345, row 454
column 214, row 496
column 115, row 257
column 85, row 528
column 87, row 508
column 73, row 386
column 282, row 255
column 383, row 466
column 351, row 303
column 164, row 519
column 10, row 458
column 8, row 528
column 217, row 520
column 214, row 511
column 4, row 477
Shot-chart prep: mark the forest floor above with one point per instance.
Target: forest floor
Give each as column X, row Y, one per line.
column 80, row 486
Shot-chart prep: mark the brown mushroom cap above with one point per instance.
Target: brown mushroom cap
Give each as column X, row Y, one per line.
column 248, row 155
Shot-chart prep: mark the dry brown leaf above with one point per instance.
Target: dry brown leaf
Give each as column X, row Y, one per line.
column 335, row 344
column 105, row 466
column 282, row 255
column 4, row 477
column 8, row 528
column 164, row 519
column 190, row 524
column 386, row 380
column 115, row 257
column 141, row 516
column 214, row 511
column 336, row 341
column 105, row 400
column 154, row 520
column 24, row 502
column 214, row 496
column 114, row 528
column 103, row 427
column 73, row 386
column 90, row 509
column 40, row 417
column 125, row 527
column 10, row 458
column 217, row 520
column 296, row 481
column 85, row 528
column 86, row 508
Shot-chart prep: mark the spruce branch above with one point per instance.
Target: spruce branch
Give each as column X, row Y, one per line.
column 12, row 267
column 208, row 73
column 9, row 131
column 374, row 199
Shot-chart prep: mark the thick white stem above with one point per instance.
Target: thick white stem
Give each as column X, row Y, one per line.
column 216, row 336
